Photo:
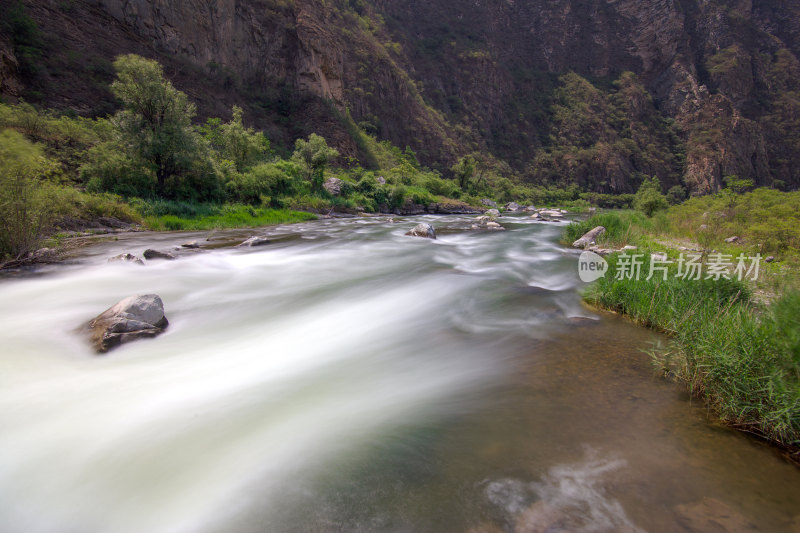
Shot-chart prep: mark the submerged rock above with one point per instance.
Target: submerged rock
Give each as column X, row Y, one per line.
column 191, row 245
column 126, row 258
column 423, row 230
column 713, row 515
column 150, row 254
column 494, row 226
column 135, row 317
column 256, row 241
column 589, row 238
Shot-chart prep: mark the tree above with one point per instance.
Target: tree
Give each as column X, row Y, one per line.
column 244, row 147
column 155, row 126
column 648, row 198
column 25, row 212
column 463, row 171
column 313, row 156
column 676, row 195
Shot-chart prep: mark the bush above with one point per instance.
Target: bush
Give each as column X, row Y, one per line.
column 109, row 170
column 648, row 198
column 272, row 180
column 26, row 206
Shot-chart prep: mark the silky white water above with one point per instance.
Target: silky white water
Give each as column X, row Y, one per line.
column 346, row 377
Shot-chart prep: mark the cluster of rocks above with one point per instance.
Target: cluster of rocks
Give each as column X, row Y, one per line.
column 186, row 248
column 549, row 215
column 488, row 221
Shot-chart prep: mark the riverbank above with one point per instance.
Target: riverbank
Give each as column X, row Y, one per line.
column 734, row 342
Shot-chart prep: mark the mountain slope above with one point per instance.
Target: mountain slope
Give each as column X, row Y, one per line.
column 716, row 90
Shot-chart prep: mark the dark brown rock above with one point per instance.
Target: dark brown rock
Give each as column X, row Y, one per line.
column 150, row 255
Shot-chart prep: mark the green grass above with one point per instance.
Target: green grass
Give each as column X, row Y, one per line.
column 622, row 227
column 227, row 216
column 744, row 361
column 766, row 221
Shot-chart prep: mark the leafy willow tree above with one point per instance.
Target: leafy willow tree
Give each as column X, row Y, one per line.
column 242, row 146
column 25, row 209
column 313, row 156
column 155, row 147
column 648, row 198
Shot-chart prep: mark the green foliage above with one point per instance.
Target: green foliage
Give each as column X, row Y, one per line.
column 313, row 156
column 464, row 171
column 744, row 364
column 676, row 194
column 622, row 228
column 154, row 130
column 25, row 208
column 233, row 142
column 267, row 181
column 221, row 217
column 110, row 170
column 609, row 201
column 765, row 220
column 25, row 36
column 606, row 141
column 782, row 120
column 649, row 199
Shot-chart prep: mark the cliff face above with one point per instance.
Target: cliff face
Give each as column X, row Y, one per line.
column 447, row 78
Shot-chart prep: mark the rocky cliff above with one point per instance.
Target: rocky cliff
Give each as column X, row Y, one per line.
column 719, row 78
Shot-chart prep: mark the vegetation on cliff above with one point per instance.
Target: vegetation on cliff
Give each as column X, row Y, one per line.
column 600, row 109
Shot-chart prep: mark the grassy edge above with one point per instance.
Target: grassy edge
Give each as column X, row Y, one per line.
column 730, row 351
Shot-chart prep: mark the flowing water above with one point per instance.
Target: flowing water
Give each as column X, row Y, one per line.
column 349, row 378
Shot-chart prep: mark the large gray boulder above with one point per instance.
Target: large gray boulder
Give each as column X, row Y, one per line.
column 135, row 317
column 333, row 186
column 489, row 203
column 492, row 213
column 589, row 238
column 423, row 230
column 513, row 206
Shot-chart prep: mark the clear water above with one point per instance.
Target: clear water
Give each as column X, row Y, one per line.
column 349, row 378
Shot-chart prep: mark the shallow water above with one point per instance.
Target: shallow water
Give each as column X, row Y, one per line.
column 349, row 378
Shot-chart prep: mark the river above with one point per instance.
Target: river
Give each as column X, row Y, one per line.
column 349, row 378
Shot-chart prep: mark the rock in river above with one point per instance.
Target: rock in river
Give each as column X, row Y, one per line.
column 135, row 317
column 423, row 230
column 151, row 254
column 256, row 241
column 126, row 258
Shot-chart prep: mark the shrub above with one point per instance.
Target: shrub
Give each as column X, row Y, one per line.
column 273, row 180
column 648, row 198
column 26, row 207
